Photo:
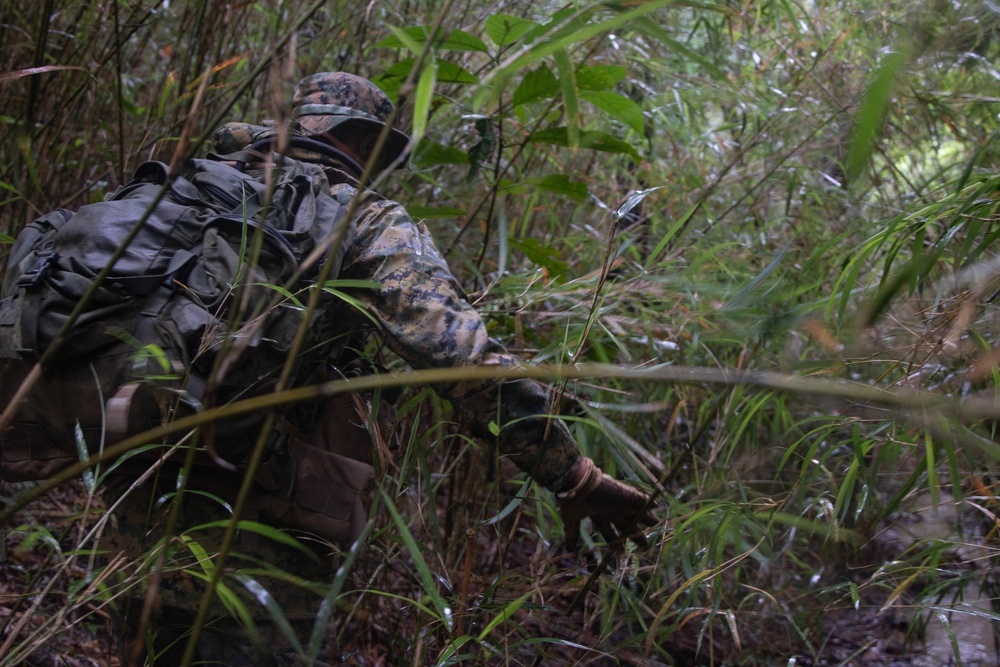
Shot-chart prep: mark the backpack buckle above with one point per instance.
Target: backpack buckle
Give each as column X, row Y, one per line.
column 37, row 273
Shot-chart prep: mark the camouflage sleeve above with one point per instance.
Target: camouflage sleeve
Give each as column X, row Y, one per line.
column 426, row 318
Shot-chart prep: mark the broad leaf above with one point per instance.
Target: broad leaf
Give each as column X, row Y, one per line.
column 539, row 84
column 545, row 256
column 504, row 29
column 430, row 153
column 593, row 139
column 405, row 39
column 570, row 33
column 459, row 40
column 600, row 77
column 560, row 184
column 451, row 73
column 394, row 77
column 617, row 106
column 416, row 36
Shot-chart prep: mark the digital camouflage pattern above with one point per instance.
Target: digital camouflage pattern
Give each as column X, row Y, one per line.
column 424, row 314
column 326, row 100
column 426, row 318
column 329, row 102
column 235, row 136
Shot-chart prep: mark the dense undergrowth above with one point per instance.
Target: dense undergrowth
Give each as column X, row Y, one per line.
column 778, row 218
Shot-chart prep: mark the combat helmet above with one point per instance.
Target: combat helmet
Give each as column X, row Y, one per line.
column 338, row 102
column 327, row 102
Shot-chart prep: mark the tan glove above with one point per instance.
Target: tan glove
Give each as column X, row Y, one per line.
column 617, row 510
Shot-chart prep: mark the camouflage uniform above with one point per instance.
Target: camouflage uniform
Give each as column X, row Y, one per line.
column 427, row 320
column 425, row 317
column 424, row 314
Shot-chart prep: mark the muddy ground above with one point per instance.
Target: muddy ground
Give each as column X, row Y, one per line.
column 866, row 636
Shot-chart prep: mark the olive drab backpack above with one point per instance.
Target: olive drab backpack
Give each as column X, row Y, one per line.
column 207, row 274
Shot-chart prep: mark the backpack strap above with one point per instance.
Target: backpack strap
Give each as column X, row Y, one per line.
column 27, row 320
column 11, row 345
column 253, row 152
column 179, row 266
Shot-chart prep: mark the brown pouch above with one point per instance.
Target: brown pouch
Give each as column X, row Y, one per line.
column 324, row 485
column 327, row 497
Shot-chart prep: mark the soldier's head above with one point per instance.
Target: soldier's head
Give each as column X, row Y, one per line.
column 347, row 112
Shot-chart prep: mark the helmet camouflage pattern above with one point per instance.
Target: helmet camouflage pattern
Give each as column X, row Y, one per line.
column 334, row 102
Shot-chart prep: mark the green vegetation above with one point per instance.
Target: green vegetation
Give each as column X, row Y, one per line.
column 777, row 218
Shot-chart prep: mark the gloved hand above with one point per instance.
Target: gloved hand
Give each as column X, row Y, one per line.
column 617, row 510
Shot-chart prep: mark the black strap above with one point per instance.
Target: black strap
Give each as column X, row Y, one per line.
column 252, row 152
column 179, row 265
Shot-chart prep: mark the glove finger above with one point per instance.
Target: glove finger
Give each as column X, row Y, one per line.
column 636, row 534
column 572, row 537
column 607, row 528
column 643, row 513
column 571, row 526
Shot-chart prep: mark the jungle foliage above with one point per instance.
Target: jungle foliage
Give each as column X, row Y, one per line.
column 759, row 238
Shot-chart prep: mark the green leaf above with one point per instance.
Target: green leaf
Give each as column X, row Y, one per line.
column 450, row 656
column 352, row 283
column 484, row 147
column 593, row 139
column 422, row 101
column 600, row 77
column 545, row 256
column 506, row 613
column 420, row 566
column 655, row 30
column 617, row 106
column 669, row 236
column 560, row 184
column 414, row 38
column 394, row 77
column 283, row 292
column 83, row 452
column 390, row 83
column 34, row 535
column 539, row 84
column 264, row 597
column 504, row 29
column 432, row 212
column 430, row 153
column 161, row 101
column 404, row 38
column 328, row 606
column 871, row 112
column 256, row 527
column 567, row 82
column 352, row 301
column 451, row 73
column 514, row 503
column 459, row 40
column 574, row 32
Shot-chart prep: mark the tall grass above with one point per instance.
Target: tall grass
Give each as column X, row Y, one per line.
column 819, row 198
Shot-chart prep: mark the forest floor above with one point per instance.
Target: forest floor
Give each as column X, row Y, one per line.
column 870, row 635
